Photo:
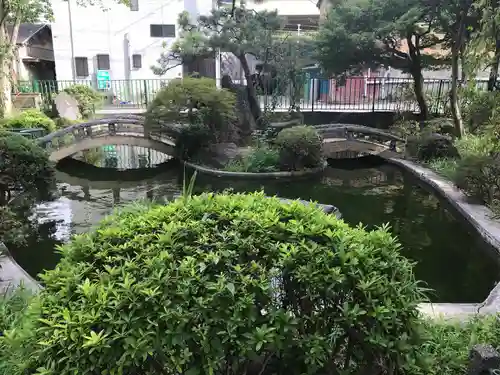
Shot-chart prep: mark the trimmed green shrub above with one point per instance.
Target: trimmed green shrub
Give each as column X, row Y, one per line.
column 227, row 284
column 260, row 159
column 24, row 166
column 300, row 147
column 194, row 101
column 86, row 97
column 30, row 119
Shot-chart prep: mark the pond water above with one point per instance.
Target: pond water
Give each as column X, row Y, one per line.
column 453, row 262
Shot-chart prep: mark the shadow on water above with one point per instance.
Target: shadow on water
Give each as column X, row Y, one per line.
column 448, row 258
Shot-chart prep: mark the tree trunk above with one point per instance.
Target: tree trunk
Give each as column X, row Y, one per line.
column 416, row 73
column 9, row 41
column 492, row 80
column 455, row 106
column 418, row 87
column 252, row 93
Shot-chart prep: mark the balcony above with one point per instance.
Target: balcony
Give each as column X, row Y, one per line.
column 39, row 53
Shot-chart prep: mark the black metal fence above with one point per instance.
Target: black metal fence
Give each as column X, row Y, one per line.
column 356, row 94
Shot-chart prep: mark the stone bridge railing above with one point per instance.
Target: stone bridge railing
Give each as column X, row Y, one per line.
column 129, row 125
column 362, row 133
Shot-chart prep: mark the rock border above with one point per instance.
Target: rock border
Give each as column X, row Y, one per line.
column 479, row 217
column 254, row 175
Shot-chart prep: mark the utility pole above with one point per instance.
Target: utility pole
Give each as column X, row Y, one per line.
column 73, row 66
column 215, row 6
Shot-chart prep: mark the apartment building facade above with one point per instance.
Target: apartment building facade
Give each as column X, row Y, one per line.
column 119, row 42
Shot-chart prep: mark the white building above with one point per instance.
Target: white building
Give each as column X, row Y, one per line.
column 123, row 43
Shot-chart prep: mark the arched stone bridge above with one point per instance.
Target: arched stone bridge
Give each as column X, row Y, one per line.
column 131, row 130
column 128, row 130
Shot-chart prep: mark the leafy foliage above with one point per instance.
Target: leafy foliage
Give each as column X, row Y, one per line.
column 206, row 112
column 359, row 34
column 16, row 308
column 30, row 119
column 479, row 177
column 479, row 108
column 300, row 147
column 435, row 146
column 211, row 281
column 259, row 159
column 86, row 97
column 24, row 166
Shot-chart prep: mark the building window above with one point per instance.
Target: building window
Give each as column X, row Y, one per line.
column 136, row 61
column 102, row 62
column 81, row 66
column 134, row 5
column 163, row 31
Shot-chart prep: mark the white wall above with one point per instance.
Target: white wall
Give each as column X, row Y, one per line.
column 96, row 31
column 287, row 7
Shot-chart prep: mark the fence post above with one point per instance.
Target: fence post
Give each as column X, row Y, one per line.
column 313, row 92
column 145, row 92
column 439, row 101
column 374, row 93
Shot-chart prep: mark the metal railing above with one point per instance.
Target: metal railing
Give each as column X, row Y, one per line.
column 356, row 94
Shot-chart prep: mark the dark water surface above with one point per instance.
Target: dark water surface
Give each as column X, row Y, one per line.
column 452, row 261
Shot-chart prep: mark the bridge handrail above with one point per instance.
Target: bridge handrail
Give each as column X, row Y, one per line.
column 352, row 128
column 83, row 125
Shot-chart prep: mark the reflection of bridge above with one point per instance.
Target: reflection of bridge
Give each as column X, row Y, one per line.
column 131, row 130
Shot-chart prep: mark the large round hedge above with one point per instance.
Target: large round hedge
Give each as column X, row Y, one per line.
column 227, row 284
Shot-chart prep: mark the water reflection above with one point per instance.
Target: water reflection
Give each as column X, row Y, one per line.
column 448, row 258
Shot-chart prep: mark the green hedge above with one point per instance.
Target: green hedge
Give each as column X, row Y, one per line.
column 30, row 119
column 227, row 284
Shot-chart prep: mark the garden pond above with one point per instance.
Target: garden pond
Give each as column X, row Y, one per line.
column 452, row 261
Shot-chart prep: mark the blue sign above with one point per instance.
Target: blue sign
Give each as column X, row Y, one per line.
column 103, row 79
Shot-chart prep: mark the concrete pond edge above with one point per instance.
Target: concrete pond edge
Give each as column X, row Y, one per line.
column 479, row 217
column 255, row 175
column 12, row 275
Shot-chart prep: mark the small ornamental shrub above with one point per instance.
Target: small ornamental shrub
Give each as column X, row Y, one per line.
column 86, row 97
column 24, row 166
column 479, row 107
column 30, row 119
column 228, row 284
column 194, row 101
column 479, row 177
column 300, row 147
column 435, row 146
column 259, row 159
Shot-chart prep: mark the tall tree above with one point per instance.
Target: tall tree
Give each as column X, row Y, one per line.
column 361, row 34
column 454, row 19
column 485, row 43
column 237, row 30
column 12, row 14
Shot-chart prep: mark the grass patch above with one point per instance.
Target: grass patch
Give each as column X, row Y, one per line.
column 260, row 159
